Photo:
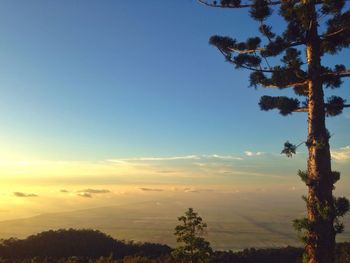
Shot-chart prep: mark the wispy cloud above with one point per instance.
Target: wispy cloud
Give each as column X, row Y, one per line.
column 175, row 158
column 161, row 158
column 151, row 189
column 222, row 157
column 196, row 190
column 143, row 170
column 250, row 174
column 89, row 192
column 166, row 172
column 94, row 191
column 21, row 194
column 341, row 154
column 86, row 195
column 250, row 153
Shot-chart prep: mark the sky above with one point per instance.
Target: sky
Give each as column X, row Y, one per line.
column 126, row 96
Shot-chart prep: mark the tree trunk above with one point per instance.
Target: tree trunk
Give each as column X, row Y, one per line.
column 320, row 240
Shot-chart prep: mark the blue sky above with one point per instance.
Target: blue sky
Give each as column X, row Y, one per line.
column 109, row 102
column 90, row 80
column 125, row 95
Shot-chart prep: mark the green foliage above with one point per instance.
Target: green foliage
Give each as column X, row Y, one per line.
column 324, row 211
column 229, row 2
column 335, row 176
column 332, row 6
column 143, row 259
column 289, row 149
column 253, row 53
column 342, row 206
column 301, row 224
column 103, row 260
column 335, row 106
column 193, row 247
column 284, row 104
column 251, row 255
column 83, row 244
column 304, row 22
column 338, row 227
column 304, row 176
column 260, row 10
column 342, row 253
column 266, row 31
column 330, row 78
column 339, row 22
column 305, row 258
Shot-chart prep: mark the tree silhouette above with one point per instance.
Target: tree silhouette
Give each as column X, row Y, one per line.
column 194, row 248
column 314, row 28
column 81, row 243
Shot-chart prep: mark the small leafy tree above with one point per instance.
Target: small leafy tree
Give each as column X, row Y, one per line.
column 193, row 247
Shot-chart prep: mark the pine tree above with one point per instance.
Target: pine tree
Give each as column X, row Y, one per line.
column 314, row 28
column 193, row 247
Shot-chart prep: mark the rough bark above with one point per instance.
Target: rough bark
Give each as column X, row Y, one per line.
column 320, row 241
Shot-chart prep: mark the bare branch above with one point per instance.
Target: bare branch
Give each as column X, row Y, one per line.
column 343, row 73
column 266, row 61
column 305, row 109
column 245, row 51
column 254, row 69
column 244, row 66
column 289, row 85
column 333, row 33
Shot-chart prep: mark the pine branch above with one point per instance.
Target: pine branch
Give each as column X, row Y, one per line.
column 305, row 109
column 271, row 3
column 254, row 69
column 289, row 85
column 267, row 33
column 214, row 4
column 343, row 73
column 229, row 59
column 285, row 105
column 247, row 51
column 244, row 66
column 332, row 34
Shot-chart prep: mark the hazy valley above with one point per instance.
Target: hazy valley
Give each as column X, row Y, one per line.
column 235, row 221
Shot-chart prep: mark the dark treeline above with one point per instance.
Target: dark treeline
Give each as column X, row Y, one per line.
column 80, row 243
column 91, row 246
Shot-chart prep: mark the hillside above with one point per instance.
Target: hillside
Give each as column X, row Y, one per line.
column 235, row 224
column 83, row 246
